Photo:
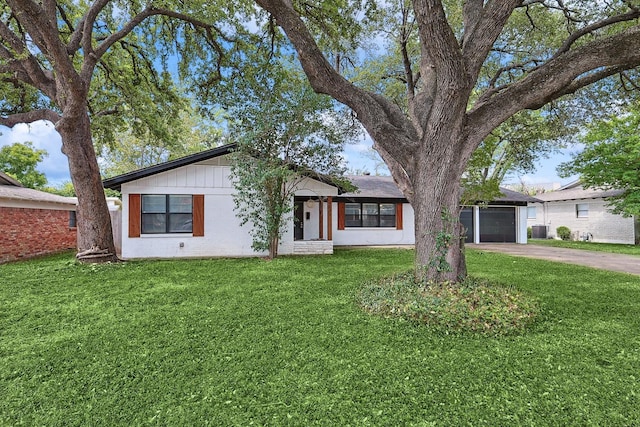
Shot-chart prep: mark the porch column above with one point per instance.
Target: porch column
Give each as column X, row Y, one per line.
column 329, row 218
column 476, row 224
column 320, row 219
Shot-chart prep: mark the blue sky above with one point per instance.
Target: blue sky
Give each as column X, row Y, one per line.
column 43, row 135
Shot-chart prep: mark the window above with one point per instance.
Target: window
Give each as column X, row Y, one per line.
column 582, row 210
column 167, row 213
column 531, row 212
column 72, row 219
column 370, row 214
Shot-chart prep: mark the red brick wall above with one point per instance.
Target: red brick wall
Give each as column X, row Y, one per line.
column 27, row 233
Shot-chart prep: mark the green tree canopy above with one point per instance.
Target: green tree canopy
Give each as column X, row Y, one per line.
column 20, row 160
column 611, row 159
column 461, row 70
column 285, row 132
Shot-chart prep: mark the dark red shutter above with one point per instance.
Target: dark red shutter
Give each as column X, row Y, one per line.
column 398, row 216
column 341, row 216
column 134, row 215
column 198, row 215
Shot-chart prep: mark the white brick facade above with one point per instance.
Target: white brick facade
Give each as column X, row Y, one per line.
column 585, row 217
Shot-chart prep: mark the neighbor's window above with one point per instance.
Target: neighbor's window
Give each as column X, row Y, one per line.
column 582, row 210
column 72, row 219
column 167, row 213
column 531, row 212
column 370, row 214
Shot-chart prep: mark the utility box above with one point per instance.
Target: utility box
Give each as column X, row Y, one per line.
column 539, row 232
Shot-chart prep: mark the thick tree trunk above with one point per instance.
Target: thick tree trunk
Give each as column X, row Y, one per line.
column 95, row 237
column 439, row 236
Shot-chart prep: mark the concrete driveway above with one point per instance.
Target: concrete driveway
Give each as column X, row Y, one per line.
column 602, row 260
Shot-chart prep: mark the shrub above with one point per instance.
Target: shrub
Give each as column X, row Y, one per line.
column 563, row 232
column 471, row 306
column 529, row 232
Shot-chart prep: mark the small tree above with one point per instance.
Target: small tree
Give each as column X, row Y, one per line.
column 20, row 161
column 288, row 132
column 263, row 198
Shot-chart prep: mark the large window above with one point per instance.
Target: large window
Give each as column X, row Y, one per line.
column 531, row 212
column 370, row 214
column 167, row 213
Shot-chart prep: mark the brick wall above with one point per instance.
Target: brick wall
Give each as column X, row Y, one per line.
column 27, row 233
column 602, row 225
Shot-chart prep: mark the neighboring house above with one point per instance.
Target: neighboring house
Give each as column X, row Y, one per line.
column 586, row 214
column 184, row 208
column 33, row 222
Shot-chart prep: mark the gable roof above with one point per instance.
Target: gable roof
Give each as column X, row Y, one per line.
column 384, row 187
column 7, row 180
column 575, row 191
column 11, row 189
column 116, row 182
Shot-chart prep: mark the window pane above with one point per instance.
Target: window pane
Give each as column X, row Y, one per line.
column 369, row 214
column 582, row 210
column 154, row 223
column 387, row 220
column 352, row 209
column 180, row 204
column 387, row 209
column 531, row 212
column 180, row 223
column 154, row 203
column 387, row 215
column 352, row 215
column 370, row 208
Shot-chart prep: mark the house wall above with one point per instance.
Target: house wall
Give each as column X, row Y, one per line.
column 363, row 236
column 29, row 232
column 604, row 226
column 406, row 236
column 223, row 234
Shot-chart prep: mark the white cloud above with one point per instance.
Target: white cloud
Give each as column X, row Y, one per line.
column 43, row 136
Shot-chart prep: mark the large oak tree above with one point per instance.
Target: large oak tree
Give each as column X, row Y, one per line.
column 74, row 63
column 456, row 95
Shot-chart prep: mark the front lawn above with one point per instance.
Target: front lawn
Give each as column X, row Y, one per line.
column 246, row 341
column 590, row 246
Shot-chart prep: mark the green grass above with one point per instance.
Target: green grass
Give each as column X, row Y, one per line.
column 245, row 341
column 590, row 246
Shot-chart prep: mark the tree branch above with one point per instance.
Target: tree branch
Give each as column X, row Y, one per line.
column 487, row 25
column 633, row 14
column 561, row 75
column 22, row 63
column 29, row 117
column 325, row 79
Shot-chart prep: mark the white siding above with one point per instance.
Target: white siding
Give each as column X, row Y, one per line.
column 223, row 235
column 604, row 226
column 406, row 236
column 376, row 236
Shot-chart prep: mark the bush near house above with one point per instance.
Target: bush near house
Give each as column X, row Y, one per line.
column 563, row 232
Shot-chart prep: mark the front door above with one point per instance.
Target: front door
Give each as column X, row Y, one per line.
column 298, row 219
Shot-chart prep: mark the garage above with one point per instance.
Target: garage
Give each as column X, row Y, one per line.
column 497, row 225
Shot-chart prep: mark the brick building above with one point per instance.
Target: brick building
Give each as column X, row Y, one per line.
column 586, row 212
column 33, row 222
